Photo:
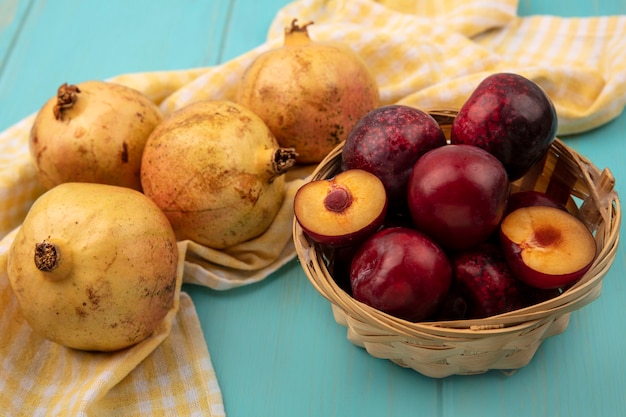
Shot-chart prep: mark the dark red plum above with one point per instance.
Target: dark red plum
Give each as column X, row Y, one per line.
column 511, row 117
column 457, row 195
column 538, row 295
column 339, row 266
column 402, row 272
column 453, row 306
column 531, row 198
column 387, row 141
column 486, row 283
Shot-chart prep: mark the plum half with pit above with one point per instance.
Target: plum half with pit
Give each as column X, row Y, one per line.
column 546, row 247
column 511, row 117
column 457, row 195
column 387, row 141
column 402, row 272
column 342, row 210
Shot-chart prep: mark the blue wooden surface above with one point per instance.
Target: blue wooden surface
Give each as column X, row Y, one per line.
column 274, row 345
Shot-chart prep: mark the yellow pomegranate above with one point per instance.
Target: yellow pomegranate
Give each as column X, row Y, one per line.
column 216, row 171
column 309, row 93
column 93, row 266
column 93, row 131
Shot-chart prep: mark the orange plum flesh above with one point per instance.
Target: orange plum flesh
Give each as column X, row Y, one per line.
column 546, row 246
column 341, row 210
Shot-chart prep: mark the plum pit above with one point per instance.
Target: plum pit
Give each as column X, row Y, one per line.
column 338, row 199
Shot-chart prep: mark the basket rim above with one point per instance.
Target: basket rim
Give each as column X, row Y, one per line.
column 584, row 291
column 512, row 322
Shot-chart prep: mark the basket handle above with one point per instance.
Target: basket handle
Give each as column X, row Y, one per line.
column 601, row 196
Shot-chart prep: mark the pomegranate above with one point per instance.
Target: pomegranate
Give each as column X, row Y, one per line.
column 310, row 94
column 94, row 266
column 215, row 170
column 93, row 131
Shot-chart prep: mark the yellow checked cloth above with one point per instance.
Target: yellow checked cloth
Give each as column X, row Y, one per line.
column 425, row 54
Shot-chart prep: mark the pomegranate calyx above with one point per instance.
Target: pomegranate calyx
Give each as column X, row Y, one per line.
column 283, row 159
column 66, row 97
column 47, row 256
column 297, row 34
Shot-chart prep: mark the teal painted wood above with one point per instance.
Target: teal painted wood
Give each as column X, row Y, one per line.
column 11, row 17
column 275, row 346
column 71, row 40
column 576, row 8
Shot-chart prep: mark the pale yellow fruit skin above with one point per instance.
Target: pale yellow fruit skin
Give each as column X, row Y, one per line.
column 208, row 167
column 117, row 276
column 310, row 96
column 100, row 139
